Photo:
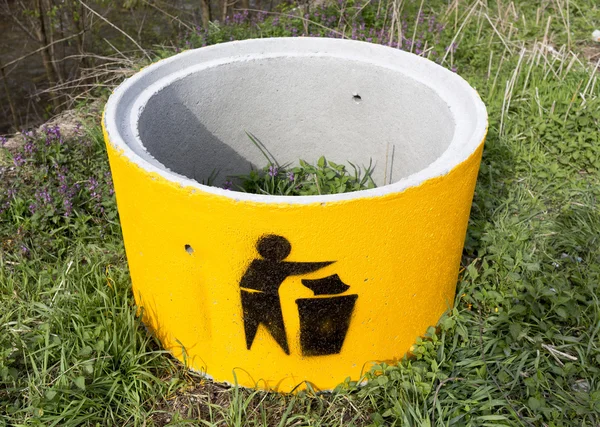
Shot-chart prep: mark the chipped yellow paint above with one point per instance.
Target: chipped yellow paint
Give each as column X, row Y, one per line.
column 400, row 254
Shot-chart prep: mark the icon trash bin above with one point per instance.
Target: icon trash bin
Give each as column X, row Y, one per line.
column 275, row 291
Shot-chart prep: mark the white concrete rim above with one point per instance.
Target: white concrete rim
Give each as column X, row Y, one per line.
column 469, row 132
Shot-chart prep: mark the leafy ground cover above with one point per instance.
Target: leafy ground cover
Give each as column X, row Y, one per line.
column 521, row 346
column 324, row 177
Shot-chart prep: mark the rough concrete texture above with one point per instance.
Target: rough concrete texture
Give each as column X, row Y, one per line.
column 300, row 110
column 271, row 291
column 186, row 117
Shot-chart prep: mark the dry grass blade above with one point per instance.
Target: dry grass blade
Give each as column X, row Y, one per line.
column 510, row 86
column 302, row 18
column 500, row 36
column 27, row 55
column 172, row 17
column 520, row 345
column 477, row 4
column 118, row 29
column 556, row 353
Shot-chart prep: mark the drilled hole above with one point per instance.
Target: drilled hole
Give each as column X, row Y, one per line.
column 356, row 97
column 189, row 249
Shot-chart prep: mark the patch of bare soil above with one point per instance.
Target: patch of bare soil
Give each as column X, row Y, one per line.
column 192, row 403
column 591, row 51
column 68, row 121
column 223, row 405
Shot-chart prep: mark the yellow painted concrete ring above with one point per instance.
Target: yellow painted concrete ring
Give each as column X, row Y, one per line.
column 274, row 291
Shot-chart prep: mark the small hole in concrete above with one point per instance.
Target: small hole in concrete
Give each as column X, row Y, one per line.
column 189, row 249
column 356, row 97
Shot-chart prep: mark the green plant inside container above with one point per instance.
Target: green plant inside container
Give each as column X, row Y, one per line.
column 305, row 179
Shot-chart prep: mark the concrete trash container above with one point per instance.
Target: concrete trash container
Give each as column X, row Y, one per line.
column 276, row 291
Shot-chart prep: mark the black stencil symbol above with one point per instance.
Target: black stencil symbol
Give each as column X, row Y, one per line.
column 326, row 286
column 260, row 288
column 324, row 321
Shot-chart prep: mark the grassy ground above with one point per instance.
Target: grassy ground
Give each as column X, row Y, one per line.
column 521, row 346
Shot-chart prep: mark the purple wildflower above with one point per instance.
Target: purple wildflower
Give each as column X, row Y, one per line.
column 32, row 208
column 53, row 134
column 227, row 185
column 109, row 183
column 24, row 250
column 4, row 207
column 62, row 180
column 290, row 176
column 18, row 160
column 273, row 171
column 68, row 205
column 43, row 196
column 29, row 147
column 92, row 186
column 2, row 141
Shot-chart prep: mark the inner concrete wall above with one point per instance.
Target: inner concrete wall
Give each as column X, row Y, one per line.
column 300, row 108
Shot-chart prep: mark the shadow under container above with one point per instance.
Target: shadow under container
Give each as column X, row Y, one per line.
column 274, row 291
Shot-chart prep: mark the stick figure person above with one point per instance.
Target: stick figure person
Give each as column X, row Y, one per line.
column 260, row 284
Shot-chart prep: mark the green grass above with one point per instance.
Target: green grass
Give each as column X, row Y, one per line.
column 324, row 177
column 520, row 348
